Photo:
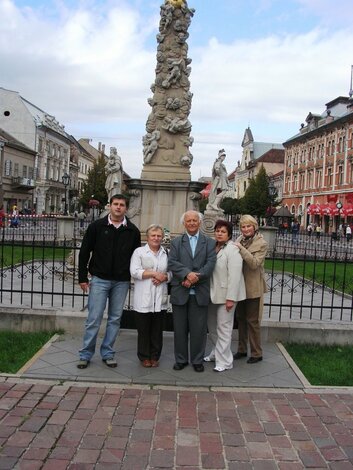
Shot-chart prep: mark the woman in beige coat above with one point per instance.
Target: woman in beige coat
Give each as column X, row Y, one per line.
column 253, row 249
column 227, row 288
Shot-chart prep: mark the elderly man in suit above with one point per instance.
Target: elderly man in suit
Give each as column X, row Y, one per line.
column 192, row 259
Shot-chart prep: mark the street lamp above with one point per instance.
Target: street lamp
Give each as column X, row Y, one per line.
column 66, row 181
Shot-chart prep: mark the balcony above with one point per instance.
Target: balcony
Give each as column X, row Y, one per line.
column 23, row 183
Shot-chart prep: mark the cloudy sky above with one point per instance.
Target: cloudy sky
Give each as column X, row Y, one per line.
column 259, row 63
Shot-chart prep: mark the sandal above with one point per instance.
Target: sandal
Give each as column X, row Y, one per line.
column 110, row 362
column 82, row 364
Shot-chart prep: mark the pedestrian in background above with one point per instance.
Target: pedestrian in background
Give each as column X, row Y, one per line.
column 192, row 259
column 148, row 268
column 106, row 250
column 253, row 248
column 227, row 288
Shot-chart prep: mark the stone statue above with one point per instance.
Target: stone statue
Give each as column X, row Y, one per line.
column 220, row 184
column 114, row 170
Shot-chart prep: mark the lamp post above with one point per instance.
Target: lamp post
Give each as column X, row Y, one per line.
column 66, row 181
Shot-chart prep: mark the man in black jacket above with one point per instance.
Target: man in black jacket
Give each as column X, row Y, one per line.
column 107, row 247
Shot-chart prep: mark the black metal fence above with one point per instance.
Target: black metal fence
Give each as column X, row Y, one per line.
column 307, row 279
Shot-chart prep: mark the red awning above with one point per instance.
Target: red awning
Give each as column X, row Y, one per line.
column 329, row 209
column 347, row 210
column 314, row 209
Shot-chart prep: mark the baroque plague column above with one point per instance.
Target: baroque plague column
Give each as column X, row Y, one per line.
column 165, row 189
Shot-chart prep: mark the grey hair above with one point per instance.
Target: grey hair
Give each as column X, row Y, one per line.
column 200, row 216
column 153, row 227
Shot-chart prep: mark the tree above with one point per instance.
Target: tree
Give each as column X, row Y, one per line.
column 257, row 199
column 94, row 187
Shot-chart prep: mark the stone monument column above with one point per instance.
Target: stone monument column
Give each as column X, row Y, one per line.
column 166, row 144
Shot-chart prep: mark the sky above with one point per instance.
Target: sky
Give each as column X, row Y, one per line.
column 259, row 63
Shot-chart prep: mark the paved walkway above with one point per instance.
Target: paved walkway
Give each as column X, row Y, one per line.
column 157, row 419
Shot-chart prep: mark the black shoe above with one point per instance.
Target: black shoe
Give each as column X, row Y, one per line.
column 180, row 365
column 254, row 360
column 198, row 367
column 239, row 355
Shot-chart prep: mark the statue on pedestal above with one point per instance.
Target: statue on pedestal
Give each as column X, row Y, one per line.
column 114, row 170
column 220, row 183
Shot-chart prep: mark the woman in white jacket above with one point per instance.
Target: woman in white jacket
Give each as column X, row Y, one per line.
column 148, row 268
column 227, row 288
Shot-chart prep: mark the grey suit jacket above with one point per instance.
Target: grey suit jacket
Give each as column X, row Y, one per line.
column 181, row 263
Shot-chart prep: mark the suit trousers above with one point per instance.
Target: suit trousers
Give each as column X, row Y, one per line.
column 248, row 317
column 220, row 329
column 149, row 335
column 190, row 318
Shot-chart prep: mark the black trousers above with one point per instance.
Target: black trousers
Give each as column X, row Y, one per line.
column 149, row 334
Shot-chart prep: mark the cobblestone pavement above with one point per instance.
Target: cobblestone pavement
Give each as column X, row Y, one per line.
column 49, row 425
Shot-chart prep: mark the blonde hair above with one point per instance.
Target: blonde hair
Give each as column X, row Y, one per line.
column 154, row 227
column 248, row 219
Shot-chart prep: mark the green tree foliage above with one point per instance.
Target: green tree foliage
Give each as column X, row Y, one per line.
column 257, row 199
column 231, row 206
column 94, row 187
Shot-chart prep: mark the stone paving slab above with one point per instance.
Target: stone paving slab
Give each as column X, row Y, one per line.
column 80, row 426
column 60, row 359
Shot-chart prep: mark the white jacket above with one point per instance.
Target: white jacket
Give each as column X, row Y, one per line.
column 227, row 280
column 148, row 297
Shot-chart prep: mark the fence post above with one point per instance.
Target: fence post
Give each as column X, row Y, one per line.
column 269, row 234
column 65, row 228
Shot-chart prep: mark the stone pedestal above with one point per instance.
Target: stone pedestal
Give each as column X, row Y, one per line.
column 209, row 219
column 65, row 227
column 162, row 202
column 269, row 234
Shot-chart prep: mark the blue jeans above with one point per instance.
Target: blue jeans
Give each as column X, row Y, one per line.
column 100, row 291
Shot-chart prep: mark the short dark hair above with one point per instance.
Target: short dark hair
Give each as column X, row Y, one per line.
column 120, row 196
column 224, row 223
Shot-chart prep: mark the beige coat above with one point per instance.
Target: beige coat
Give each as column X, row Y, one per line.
column 227, row 280
column 253, row 267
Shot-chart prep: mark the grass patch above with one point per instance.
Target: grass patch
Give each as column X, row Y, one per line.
column 332, row 274
column 13, row 255
column 18, row 348
column 324, row 365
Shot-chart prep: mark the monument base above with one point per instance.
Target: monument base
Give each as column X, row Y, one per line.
column 162, row 202
column 155, row 172
column 210, row 217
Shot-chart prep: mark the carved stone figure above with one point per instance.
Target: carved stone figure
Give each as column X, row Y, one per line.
column 220, row 183
column 171, row 101
column 114, row 170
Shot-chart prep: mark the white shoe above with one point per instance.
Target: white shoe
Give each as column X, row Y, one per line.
column 221, row 368
column 209, row 358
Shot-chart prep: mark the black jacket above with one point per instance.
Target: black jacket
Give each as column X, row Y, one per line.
column 111, row 250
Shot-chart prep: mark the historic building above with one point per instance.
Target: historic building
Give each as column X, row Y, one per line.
column 16, row 174
column 43, row 134
column 254, row 155
column 318, row 172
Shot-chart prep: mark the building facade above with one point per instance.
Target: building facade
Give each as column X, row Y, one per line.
column 16, row 174
column 254, row 155
column 318, row 172
column 43, row 134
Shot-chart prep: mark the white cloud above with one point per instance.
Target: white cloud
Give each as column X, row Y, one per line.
column 92, row 68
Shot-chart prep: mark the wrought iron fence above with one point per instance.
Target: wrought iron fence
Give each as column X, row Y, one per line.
column 305, row 282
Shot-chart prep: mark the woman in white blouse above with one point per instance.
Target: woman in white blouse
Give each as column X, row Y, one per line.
column 148, row 268
column 227, row 288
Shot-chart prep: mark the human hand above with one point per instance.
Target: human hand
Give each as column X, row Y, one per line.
column 193, row 277
column 229, row 305
column 84, row 286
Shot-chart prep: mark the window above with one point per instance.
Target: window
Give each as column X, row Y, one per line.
column 340, row 174
column 8, row 168
column 329, row 176
column 30, row 173
column 24, row 171
column 318, row 178
column 15, row 169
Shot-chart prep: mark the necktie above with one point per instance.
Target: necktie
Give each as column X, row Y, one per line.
column 193, row 241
